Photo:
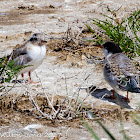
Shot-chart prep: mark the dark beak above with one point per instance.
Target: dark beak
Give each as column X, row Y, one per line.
column 43, row 41
column 99, row 46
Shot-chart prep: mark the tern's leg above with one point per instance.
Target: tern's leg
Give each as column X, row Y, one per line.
column 113, row 96
column 127, row 95
column 31, row 79
column 127, row 99
column 22, row 75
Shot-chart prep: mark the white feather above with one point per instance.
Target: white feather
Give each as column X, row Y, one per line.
column 37, row 54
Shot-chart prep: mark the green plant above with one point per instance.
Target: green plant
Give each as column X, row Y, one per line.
column 125, row 136
column 125, row 32
column 136, row 118
column 8, row 69
column 90, row 129
column 101, row 125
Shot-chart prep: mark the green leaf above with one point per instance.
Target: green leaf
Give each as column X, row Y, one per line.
column 106, row 130
column 90, row 129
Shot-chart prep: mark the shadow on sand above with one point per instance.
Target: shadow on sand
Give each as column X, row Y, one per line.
column 104, row 94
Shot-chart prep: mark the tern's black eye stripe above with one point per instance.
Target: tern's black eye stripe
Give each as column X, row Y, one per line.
column 33, row 39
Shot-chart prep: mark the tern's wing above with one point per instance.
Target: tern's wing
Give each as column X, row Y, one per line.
column 123, row 71
column 22, row 60
column 19, row 51
column 20, row 56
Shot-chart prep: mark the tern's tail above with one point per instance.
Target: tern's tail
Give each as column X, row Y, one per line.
column 133, row 85
column 137, row 90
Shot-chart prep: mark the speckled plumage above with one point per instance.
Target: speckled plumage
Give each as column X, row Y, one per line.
column 119, row 71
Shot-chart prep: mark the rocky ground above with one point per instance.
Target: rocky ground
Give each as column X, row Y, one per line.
column 64, row 72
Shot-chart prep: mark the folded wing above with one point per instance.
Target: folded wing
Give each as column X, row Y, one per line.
column 123, row 72
column 20, row 56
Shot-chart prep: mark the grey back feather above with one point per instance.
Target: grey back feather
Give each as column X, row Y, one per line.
column 123, row 72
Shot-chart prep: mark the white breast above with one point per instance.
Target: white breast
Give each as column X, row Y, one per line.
column 37, row 54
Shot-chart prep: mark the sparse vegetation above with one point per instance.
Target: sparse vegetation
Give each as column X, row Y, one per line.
column 36, row 104
column 8, row 70
column 125, row 32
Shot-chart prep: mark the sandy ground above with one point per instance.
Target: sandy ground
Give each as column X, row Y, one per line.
column 62, row 76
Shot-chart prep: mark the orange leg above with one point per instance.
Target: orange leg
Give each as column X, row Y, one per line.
column 113, row 96
column 23, row 78
column 22, row 75
column 127, row 95
column 30, row 76
column 31, row 79
column 127, row 99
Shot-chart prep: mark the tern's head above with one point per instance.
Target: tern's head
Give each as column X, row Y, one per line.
column 38, row 39
column 110, row 48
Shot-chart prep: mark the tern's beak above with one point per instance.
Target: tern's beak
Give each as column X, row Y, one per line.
column 43, row 41
column 99, row 46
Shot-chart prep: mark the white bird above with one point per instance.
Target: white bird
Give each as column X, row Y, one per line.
column 119, row 71
column 31, row 54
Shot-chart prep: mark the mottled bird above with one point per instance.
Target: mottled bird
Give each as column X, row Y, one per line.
column 119, row 71
column 31, row 54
